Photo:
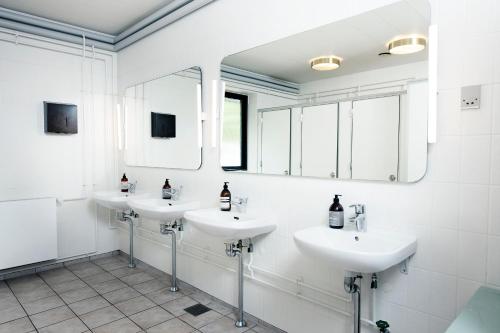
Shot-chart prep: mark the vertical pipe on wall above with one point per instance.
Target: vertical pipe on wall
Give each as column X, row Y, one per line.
column 240, row 322
column 84, row 125
column 93, row 120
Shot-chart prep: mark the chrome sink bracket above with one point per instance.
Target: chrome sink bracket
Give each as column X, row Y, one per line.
column 170, row 229
column 130, row 216
column 405, row 264
column 232, row 250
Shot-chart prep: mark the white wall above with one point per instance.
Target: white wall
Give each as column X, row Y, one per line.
column 453, row 210
column 34, row 164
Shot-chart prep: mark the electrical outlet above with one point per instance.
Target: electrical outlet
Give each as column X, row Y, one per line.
column 471, row 97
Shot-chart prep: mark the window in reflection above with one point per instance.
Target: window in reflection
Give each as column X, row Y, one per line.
column 234, row 132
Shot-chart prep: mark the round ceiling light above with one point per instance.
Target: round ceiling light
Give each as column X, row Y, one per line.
column 325, row 63
column 407, row 44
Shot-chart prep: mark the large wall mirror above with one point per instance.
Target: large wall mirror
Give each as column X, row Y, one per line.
column 347, row 100
column 163, row 121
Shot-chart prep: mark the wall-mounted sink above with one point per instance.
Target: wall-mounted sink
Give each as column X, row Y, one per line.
column 229, row 225
column 362, row 252
column 114, row 199
column 161, row 209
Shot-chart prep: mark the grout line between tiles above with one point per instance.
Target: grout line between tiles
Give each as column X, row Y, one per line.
column 66, row 304
column 22, row 306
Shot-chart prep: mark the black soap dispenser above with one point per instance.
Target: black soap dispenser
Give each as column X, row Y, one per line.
column 124, row 184
column 225, row 198
column 166, row 191
column 336, row 215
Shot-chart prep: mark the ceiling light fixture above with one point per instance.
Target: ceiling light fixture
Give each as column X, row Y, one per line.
column 407, row 44
column 325, row 63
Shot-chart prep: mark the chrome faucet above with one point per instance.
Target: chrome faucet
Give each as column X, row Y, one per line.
column 241, row 203
column 360, row 217
column 132, row 187
column 175, row 193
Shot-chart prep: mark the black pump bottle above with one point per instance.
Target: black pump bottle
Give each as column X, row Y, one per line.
column 336, row 214
column 225, row 198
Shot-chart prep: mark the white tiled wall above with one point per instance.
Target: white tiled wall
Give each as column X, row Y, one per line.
column 454, row 210
column 38, row 165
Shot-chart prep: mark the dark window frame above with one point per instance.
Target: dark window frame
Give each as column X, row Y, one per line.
column 244, row 132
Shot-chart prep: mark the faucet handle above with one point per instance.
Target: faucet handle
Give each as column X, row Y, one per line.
column 241, row 200
column 358, row 208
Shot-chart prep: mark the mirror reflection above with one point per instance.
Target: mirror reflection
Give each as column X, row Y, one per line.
column 347, row 100
column 163, row 121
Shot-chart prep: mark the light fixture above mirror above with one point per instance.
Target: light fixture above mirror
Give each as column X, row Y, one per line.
column 407, row 44
column 325, row 63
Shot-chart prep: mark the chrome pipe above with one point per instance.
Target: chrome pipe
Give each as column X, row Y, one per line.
column 173, row 287
column 241, row 321
column 165, row 230
column 354, row 290
column 131, row 263
column 357, row 309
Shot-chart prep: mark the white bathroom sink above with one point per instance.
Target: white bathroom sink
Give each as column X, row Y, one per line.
column 229, row 225
column 362, row 252
column 161, row 209
column 114, row 199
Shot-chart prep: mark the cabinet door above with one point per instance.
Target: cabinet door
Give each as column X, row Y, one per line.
column 375, row 139
column 76, row 231
column 275, row 142
column 319, row 140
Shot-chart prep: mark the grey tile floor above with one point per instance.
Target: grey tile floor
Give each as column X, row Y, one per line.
column 104, row 295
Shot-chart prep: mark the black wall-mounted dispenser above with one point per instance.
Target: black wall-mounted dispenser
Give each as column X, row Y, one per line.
column 60, row 118
column 162, row 125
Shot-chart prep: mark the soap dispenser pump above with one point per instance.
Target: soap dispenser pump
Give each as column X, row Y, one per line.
column 336, row 214
column 225, row 198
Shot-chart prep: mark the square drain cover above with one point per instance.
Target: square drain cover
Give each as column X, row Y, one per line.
column 197, row 309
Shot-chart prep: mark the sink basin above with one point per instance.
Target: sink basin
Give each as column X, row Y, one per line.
column 228, row 225
column 114, row 199
column 362, row 252
column 161, row 209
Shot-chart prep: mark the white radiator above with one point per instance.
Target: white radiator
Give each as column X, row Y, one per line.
column 28, row 232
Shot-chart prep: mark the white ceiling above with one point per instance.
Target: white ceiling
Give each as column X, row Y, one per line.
column 358, row 40
column 108, row 16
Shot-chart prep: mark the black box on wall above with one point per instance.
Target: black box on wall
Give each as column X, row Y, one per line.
column 162, row 125
column 60, row 118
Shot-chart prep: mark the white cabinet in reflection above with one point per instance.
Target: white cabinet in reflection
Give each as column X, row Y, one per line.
column 375, row 138
column 319, row 140
column 275, row 142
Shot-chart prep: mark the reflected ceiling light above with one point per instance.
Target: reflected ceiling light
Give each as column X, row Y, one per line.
column 325, row 63
column 407, row 44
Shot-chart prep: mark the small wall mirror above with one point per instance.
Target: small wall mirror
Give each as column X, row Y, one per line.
column 348, row 100
column 163, row 121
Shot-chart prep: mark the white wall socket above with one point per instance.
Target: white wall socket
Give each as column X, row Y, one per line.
column 471, row 97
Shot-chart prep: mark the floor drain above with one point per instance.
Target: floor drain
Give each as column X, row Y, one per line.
column 197, row 309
